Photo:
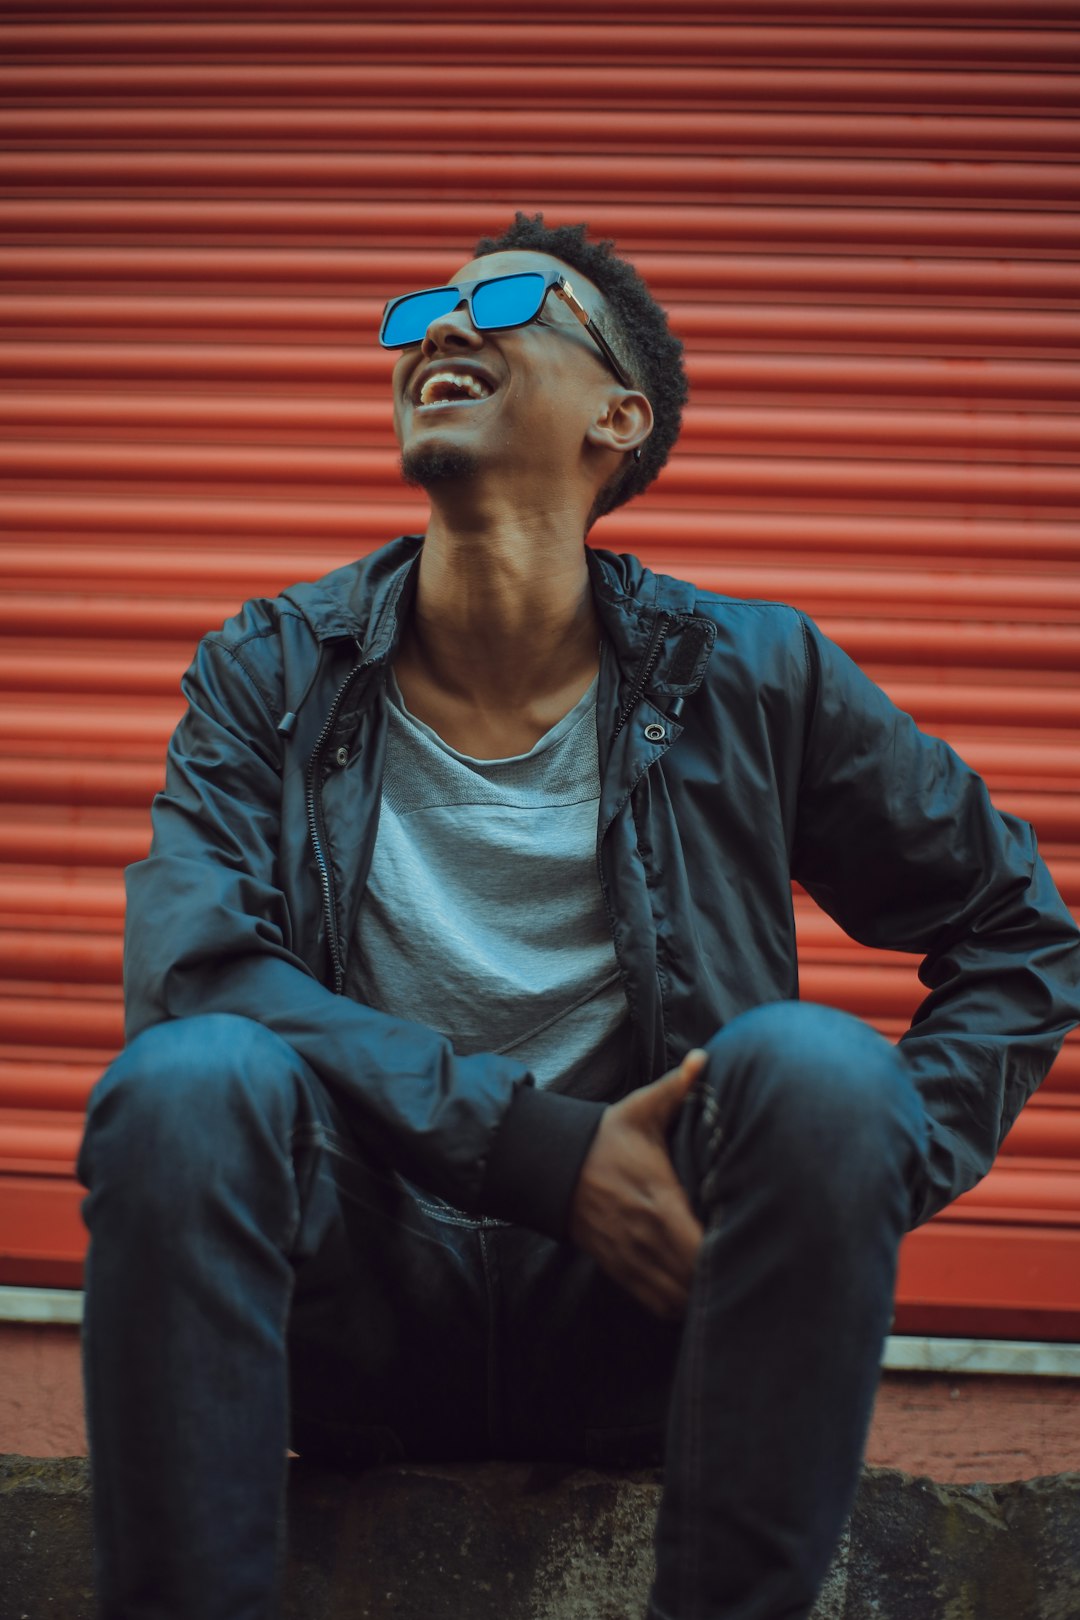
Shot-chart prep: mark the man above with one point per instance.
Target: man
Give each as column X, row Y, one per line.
column 468, row 1108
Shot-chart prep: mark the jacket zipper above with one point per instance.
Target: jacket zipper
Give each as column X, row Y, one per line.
column 314, row 811
column 646, row 668
column 641, row 680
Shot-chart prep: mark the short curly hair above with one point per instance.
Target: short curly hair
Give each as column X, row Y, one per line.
column 640, row 336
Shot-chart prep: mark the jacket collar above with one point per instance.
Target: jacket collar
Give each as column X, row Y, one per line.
column 365, row 602
column 643, row 612
column 361, row 602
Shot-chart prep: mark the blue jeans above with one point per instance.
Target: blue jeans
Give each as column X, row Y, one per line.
column 256, row 1279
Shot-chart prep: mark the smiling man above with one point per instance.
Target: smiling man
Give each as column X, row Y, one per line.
column 469, row 1109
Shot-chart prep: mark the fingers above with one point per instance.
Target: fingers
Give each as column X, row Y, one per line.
column 691, row 1066
column 661, row 1101
column 666, row 1300
column 630, row 1211
column 662, row 1241
column 683, row 1232
column 663, row 1288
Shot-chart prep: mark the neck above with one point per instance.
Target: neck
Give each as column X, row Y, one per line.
column 503, row 609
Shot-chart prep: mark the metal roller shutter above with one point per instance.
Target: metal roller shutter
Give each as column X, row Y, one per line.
column 864, row 221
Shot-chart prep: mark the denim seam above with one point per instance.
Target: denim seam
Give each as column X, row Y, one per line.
column 439, row 1214
column 693, row 1499
column 695, row 1467
column 456, row 1217
column 710, row 1118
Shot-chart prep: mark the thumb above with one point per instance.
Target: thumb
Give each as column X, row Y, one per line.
column 670, row 1092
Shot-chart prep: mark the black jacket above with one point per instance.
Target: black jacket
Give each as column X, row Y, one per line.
column 738, row 748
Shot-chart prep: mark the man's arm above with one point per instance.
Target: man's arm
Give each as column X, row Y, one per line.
column 208, row 930
column 898, row 840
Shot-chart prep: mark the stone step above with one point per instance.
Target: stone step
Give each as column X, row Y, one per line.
column 516, row 1541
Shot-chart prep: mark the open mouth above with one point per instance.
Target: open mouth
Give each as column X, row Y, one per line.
column 453, row 388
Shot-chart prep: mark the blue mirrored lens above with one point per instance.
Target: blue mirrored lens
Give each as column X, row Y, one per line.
column 509, row 301
column 408, row 321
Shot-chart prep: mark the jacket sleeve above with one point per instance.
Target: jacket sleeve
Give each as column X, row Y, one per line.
column 208, row 931
column 897, row 839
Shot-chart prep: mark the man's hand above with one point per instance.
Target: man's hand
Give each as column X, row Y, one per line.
column 629, row 1210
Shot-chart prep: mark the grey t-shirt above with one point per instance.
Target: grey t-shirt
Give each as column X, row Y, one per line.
column 483, row 915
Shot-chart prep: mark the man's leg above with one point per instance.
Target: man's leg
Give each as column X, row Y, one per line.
column 218, row 1171
column 800, row 1148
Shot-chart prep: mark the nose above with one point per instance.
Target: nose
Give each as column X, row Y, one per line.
column 454, row 330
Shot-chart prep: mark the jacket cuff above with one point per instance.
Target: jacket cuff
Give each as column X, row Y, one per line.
column 537, row 1157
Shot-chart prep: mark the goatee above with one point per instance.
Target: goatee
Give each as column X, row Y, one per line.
column 429, row 465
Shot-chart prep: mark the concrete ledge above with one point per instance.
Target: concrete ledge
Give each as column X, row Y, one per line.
column 509, row 1541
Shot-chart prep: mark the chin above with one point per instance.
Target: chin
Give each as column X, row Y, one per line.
column 426, row 466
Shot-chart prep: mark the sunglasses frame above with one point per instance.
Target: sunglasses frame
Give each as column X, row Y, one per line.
column 554, row 281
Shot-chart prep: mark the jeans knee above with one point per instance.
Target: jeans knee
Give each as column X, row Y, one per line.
column 818, row 1094
column 174, row 1101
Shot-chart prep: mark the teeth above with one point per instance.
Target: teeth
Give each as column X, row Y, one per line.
column 463, row 381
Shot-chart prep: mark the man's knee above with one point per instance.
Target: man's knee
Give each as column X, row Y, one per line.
column 812, row 1093
column 175, row 1101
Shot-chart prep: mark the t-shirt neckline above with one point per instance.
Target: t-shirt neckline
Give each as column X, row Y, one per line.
column 555, row 734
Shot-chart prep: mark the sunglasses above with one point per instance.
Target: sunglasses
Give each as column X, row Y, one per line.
column 496, row 304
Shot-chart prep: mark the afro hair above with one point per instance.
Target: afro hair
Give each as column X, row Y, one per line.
column 639, row 335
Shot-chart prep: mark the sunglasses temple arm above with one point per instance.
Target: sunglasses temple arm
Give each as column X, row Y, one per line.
column 608, row 352
column 577, row 308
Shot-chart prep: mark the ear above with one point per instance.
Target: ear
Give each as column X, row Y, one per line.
column 625, row 422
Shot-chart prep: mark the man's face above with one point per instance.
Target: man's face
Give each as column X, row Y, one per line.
column 541, row 386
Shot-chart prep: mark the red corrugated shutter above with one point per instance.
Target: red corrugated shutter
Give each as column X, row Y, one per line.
column 864, row 221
